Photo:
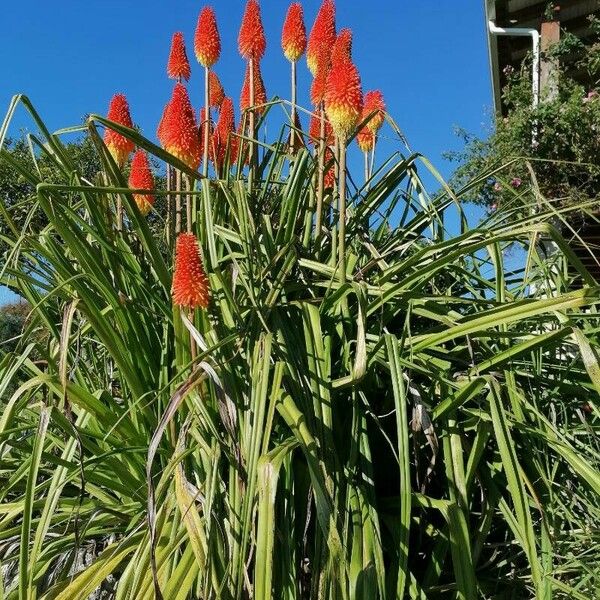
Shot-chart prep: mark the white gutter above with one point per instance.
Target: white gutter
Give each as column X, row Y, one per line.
column 535, row 38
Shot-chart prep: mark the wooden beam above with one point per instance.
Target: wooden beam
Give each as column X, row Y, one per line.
column 550, row 35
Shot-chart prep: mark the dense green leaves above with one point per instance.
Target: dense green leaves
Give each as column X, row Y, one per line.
column 425, row 429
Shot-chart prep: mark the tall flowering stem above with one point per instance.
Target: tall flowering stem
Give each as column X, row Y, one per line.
column 317, row 97
column 118, row 145
column 169, row 222
column 293, row 42
column 207, row 47
column 344, row 106
column 179, row 136
column 252, row 44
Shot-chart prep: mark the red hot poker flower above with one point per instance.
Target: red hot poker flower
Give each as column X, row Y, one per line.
column 207, row 42
column 223, row 134
column 260, row 93
column 365, row 139
column 319, row 83
column 160, row 132
column 251, row 38
column 141, row 178
column 180, row 129
column 190, row 287
column 342, row 49
column 374, row 103
column 217, row 93
column 343, row 98
column 293, row 36
column 322, row 32
column 118, row 145
column 178, row 66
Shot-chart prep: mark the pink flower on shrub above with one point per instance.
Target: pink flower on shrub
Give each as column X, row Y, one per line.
column 516, row 182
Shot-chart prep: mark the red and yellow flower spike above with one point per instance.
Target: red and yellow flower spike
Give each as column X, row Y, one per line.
column 217, row 93
column 207, row 41
column 251, row 38
column 260, row 93
column 190, row 287
column 178, row 66
column 374, row 104
column 293, row 35
column 141, row 178
column 180, row 136
column 223, row 134
column 160, row 132
column 343, row 98
column 118, row 145
column 365, row 139
column 319, row 83
column 322, row 32
column 342, row 48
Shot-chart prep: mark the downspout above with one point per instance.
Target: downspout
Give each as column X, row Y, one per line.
column 535, row 39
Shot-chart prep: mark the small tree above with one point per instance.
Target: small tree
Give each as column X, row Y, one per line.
column 559, row 138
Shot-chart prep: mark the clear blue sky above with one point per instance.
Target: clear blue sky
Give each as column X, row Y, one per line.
column 429, row 57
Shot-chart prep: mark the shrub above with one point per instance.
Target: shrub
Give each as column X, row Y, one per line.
column 371, row 408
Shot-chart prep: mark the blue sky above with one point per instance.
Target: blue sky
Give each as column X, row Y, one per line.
column 428, row 57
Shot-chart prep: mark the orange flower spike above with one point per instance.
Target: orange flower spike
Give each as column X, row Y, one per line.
column 365, row 139
column 343, row 98
column 260, row 93
column 342, row 49
column 374, row 103
column 207, row 41
column 181, row 130
column 293, row 35
column 223, row 134
column 178, row 66
column 118, row 145
column 217, row 93
column 141, row 178
column 319, row 83
column 160, row 132
column 251, row 38
column 322, row 32
column 190, row 287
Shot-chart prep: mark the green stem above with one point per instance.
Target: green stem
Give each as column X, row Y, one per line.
column 252, row 127
column 207, row 120
column 321, row 175
column 342, row 210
